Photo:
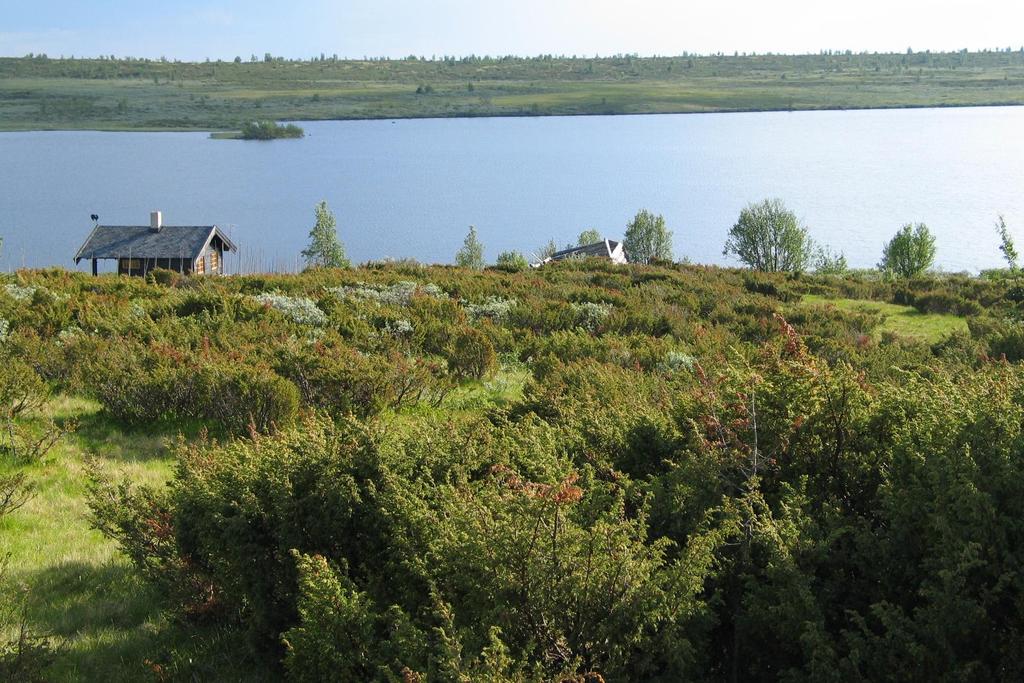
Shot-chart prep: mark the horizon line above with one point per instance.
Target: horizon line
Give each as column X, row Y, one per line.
column 333, row 56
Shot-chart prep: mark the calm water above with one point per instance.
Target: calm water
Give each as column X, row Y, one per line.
column 412, row 188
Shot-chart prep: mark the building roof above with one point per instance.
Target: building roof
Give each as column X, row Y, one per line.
column 141, row 241
column 602, row 248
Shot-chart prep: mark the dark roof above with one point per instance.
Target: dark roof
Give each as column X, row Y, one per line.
column 602, row 248
column 140, row 241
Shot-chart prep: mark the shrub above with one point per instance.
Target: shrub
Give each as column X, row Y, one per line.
column 329, row 537
column 25, row 656
column 341, row 635
column 238, row 513
column 300, row 310
column 223, row 395
column 945, row 302
column 494, row 308
column 19, row 292
column 511, row 262
column 143, row 522
column 345, row 382
column 676, row 361
column 22, row 391
column 759, row 284
column 853, row 500
column 590, row 315
column 471, row 354
column 244, row 398
column 164, row 277
column 15, row 491
column 1005, row 338
column 399, row 294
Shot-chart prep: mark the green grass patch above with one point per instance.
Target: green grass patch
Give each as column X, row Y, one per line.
column 904, row 321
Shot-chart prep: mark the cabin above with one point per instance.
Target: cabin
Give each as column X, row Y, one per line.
column 605, row 249
column 138, row 249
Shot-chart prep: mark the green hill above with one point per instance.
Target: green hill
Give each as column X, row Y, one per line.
column 40, row 92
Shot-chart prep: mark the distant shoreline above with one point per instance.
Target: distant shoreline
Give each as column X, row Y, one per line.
column 233, row 134
column 39, row 93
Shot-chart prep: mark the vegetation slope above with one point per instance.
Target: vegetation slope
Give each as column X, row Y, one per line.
column 400, row 472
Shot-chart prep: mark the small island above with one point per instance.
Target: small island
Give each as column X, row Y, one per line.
column 262, row 130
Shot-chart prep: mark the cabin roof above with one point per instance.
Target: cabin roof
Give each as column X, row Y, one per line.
column 602, row 248
column 141, row 241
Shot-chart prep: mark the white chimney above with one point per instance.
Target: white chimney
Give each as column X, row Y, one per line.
column 156, row 221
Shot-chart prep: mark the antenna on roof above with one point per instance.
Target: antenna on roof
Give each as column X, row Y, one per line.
column 95, row 219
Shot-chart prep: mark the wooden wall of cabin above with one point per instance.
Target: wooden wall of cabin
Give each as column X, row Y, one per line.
column 211, row 262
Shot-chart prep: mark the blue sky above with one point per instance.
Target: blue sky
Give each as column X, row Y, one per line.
column 196, row 29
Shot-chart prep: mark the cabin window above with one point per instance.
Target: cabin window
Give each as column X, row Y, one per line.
column 201, row 265
column 214, row 265
column 131, row 265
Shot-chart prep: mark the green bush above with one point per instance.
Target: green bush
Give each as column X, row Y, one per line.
column 343, row 381
column 550, row 567
column 225, row 397
column 164, row 277
column 945, row 302
column 471, row 354
column 511, row 262
column 760, row 284
column 247, row 398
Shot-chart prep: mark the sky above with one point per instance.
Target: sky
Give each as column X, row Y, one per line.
column 223, row 29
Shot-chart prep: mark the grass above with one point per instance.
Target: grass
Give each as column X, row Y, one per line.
column 904, row 321
column 104, row 94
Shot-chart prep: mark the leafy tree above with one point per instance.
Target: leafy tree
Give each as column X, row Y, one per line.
column 647, row 238
column 1005, row 243
column 325, row 250
column 512, row 261
column 829, row 262
column 769, row 237
column 545, row 251
column 910, row 252
column 472, row 253
column 589, row 236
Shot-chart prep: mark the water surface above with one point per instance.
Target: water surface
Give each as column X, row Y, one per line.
column 411, row 188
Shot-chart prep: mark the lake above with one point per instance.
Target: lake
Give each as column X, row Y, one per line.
column 411, row 188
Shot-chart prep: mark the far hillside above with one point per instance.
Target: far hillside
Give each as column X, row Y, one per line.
column 45, row 92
